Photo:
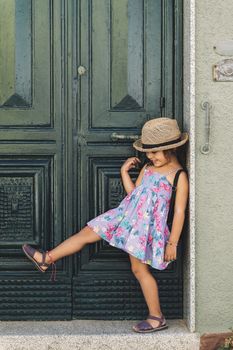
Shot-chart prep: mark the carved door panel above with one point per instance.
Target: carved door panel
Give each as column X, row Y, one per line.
column 131, row 74
column 32, row 160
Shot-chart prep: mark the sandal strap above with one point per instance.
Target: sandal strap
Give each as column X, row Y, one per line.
column 144, row 325
column 160, row 319
column 30, row 250
column 43, row 263
column 54, row 270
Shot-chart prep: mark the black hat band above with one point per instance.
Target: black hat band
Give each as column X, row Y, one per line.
column 145, row 145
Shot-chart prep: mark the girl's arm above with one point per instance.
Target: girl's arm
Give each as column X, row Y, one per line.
column 126, row 179
column 179, row 216
column 179, row 208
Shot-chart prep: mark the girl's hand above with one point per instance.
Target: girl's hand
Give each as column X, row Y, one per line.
column 130, row 163
column 170, row 253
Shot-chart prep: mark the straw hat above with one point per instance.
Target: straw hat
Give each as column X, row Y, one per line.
column 160, row 134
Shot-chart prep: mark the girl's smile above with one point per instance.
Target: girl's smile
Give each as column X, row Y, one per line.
column 158, row 158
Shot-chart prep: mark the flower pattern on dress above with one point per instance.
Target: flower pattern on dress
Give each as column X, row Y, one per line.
column 139, row 224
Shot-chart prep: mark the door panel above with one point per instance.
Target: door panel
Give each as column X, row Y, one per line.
column 119, row 61
column 122, row 45
column 27, row 94
column 32, row 160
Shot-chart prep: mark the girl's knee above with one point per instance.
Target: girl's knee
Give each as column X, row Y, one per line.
column 139, row 269
column 139, row 272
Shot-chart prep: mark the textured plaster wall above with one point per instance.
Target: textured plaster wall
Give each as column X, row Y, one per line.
column 214, row 173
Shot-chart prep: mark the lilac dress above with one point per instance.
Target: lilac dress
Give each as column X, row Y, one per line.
column 139, row 224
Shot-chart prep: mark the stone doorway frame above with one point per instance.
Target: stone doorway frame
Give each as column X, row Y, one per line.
column 189, row 126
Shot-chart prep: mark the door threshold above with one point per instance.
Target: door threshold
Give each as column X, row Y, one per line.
column 93, row 335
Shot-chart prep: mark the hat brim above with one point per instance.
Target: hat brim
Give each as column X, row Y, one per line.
column 138, row 144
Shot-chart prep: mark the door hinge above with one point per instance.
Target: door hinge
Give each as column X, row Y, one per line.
column 162, row 102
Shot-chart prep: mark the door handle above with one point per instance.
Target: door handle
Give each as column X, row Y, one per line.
column 206, row 106
column 116, row 137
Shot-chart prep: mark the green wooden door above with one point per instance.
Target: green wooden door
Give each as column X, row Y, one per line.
column 128, row 53
column 61, row 148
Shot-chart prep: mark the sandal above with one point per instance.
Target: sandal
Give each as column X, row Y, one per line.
column 30, row 251
column 145, row 326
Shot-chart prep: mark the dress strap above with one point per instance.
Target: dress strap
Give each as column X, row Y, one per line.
column 172, row 171
column 172, row 200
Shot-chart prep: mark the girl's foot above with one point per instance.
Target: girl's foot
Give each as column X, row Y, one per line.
column 37, row 257
column 150, row 324
column 154, row 323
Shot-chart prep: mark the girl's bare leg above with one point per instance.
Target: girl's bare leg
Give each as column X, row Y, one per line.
column 70, row 246
column 149, row 288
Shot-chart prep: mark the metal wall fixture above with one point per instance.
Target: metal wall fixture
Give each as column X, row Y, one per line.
column 206, row 106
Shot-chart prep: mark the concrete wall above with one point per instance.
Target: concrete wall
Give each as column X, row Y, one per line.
column 213, row 172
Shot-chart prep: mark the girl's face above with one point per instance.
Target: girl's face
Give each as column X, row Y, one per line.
column 157, row 158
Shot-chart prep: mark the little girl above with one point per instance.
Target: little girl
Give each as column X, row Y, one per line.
column 139, row 224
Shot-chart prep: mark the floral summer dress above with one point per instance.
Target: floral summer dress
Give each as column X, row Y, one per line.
column 139, row 224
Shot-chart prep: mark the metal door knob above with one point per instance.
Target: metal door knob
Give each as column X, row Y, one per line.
column 82, row 70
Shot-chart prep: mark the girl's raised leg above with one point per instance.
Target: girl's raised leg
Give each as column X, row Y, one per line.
column 149, row 288
column 70, row 246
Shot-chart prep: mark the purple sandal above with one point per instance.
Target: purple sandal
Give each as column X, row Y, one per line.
column 30, row 251
column 145, row 326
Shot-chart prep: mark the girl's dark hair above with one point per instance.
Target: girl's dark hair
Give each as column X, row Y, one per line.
column 179, row 152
